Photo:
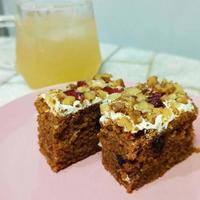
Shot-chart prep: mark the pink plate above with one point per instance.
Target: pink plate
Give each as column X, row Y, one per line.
column 25, row 175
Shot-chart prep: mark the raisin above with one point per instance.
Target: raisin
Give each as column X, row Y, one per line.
column 120, row 160
column 97, row 126
column 110, row 90
column 158, row 144
column 155, row 99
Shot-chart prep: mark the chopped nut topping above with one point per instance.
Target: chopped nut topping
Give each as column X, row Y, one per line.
column 182, row 99
column 106, row 77
column 69, row 100
column 124, row 122
column 151, row 105
column 82, row 94
column 118, row 107
column 132, row 91
column 101, row 94
column 119, row 82
column 152, row 81
column 141, row 97
column 90, row 95
column 143, row 106
column 179, row 89
column 114, row 96
column 104, row 108
column 135, row 116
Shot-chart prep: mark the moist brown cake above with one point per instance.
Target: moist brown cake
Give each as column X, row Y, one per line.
column 146, row 131
column 69, row 119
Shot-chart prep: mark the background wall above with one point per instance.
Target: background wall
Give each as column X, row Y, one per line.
column 170, row 26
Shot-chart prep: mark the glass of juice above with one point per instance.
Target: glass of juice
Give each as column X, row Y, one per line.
column 56, row 41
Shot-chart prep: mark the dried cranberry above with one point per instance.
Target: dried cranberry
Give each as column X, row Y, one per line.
column 81, row 83
column 158, row 144
column 110, row 90
column 155, row 99
column 78, row 95
column 120, row 160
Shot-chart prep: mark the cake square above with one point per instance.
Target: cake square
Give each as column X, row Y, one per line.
column 69, row 119
column 146, row 131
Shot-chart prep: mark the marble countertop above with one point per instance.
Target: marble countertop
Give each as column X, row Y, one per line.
column 128, row 63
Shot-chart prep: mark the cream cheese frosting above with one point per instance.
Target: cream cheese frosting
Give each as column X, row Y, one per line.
column 81, row 94
column 58, row 108
column 161, row 122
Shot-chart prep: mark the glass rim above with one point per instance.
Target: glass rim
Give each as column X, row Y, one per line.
column 30, row 5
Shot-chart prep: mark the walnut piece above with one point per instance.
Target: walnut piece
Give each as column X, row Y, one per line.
column 114, row 96
column 90, row 95
column 132, row 91
column 182, row 99
column 69, row 100
column 104, row 108
column 143, row 106
column 118, row 107
column 101, row 94
column 124, row 122
column 152, row 81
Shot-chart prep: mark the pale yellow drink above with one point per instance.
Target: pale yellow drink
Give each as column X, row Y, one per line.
column 56, row 48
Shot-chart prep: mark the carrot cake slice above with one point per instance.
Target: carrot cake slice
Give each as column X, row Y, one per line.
column 146, row 131
column 69, row 119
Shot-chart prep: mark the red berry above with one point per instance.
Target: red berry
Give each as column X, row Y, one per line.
column 110, row 90
column 78, row 95
column 81, row 83
column 154, row 98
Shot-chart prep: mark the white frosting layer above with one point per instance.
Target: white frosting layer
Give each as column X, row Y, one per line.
column 114, row 116
column 61, row 109
column 161, row 122
column 186, row 107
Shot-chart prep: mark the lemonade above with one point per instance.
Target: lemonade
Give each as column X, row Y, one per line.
column 56, row 48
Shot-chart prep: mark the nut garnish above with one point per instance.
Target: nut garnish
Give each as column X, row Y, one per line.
column 83, row 89
column 104, row 108
column 90, row 95
column 114, row 96
column 132, row 91
column 151, row 105
column 118, row 107
column 119, row 82
column 141, row 97
column 143, row 106
column 182, row 99
column 124, row 122
column 69, row 100
column 101, row 93
column 135, row 116
column 106, row 77
column 152, row 81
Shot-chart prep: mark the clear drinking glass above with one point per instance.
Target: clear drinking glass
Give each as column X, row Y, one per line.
column 56, row 41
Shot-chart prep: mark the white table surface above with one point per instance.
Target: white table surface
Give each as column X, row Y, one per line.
column 128, row 63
